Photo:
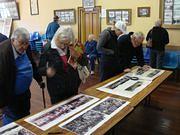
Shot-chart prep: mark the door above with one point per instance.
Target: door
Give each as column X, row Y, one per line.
column 88, row 23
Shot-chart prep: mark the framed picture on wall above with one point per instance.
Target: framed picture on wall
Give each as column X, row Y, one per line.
column 118, row 14
column 143, row 11
column 34, row 7
column 88, row 3
column 66, row 16
column 9, row 9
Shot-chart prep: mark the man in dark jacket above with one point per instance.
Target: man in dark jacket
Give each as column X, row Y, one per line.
column 160, row 38
column 52, row 28
column 107, row 46
column 16, row 71
column 2, row 37
column 130, row 45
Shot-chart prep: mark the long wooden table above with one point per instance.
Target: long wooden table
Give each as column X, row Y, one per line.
column 134, row 101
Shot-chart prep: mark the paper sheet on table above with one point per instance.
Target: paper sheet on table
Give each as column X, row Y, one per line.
column 86, row 122
column 52, row 116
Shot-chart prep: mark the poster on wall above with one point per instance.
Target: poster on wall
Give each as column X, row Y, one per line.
column 125, row 86
column 5, row 26
column 86, row 122
column 52, row 116
column 14, row 129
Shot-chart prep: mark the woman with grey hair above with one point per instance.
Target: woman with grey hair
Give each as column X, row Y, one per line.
column 62, row 76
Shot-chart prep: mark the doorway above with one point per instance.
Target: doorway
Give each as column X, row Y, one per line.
column 89, row 22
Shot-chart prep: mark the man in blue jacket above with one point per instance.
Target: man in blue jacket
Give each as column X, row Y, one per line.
column 52, row 28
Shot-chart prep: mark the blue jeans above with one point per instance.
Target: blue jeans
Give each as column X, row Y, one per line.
column 156, row 58
column 92, row 59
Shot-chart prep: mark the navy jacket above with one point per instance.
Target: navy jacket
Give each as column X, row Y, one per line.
column 126, row 51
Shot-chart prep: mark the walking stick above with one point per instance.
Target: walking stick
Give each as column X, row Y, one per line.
column 44, row 99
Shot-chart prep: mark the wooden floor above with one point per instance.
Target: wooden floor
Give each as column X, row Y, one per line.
column 143, row 120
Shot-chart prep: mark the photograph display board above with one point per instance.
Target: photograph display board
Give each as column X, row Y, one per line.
column 9, row 9
column 170, row 13
column 125, row 86
column 118, row 14
column 86, row 122
column 66, row 16
column 14, row 129
column 52, row 116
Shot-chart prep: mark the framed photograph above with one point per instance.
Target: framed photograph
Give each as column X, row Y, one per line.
column 118, row 14
column 9, row 9
column 34, row 7
column 66, row 16
column 88, row 3
column 143, row 11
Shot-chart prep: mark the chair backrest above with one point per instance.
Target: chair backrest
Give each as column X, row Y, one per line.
column 171, row 59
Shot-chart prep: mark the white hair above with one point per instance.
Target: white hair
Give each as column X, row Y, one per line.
column 138, row 35
column 158, row 23
column 64, row 33
column 20, row 32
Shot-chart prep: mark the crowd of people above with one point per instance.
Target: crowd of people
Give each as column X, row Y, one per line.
column 61, row 59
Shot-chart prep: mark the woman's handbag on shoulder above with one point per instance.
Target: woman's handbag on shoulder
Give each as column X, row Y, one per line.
column 83, row 72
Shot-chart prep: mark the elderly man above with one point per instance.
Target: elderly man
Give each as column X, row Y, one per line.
column 16, row 72
column 107, row 46
column 52, row 28
column 130, row 45
column 159, row 37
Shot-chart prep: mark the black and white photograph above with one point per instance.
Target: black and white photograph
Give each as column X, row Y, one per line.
column 125, row 85
column 146, row 74
column 14, row 129
column 134, row 86
column 153, row 73
column 66, row 16
column 58, row 113
column 92, row 118
column 117, row 83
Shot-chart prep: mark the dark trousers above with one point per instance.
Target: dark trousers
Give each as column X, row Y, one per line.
column 108, row 68
column 18, row 108
column 156, row 58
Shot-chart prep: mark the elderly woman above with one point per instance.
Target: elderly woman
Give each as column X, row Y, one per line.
column 59, row 64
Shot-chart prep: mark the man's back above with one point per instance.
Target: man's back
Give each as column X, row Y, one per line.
column 51, row 29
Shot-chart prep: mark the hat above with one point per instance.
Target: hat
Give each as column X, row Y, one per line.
column 55, row 17
column 121, row 26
